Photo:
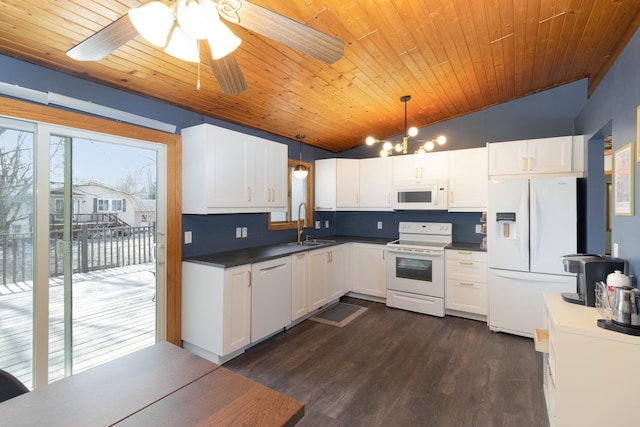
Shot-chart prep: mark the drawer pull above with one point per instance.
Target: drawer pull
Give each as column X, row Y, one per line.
column 465, row 263
column 464, row 252
column 466, row 283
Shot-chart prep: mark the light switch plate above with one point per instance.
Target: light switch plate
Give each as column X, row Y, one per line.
column 317, row 225
column 238, row 232
column 244, row 232
column 326, row 224
column 379, row 225
column 188, row 237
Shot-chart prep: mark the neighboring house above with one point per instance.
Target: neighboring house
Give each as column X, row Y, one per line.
column 94, row 202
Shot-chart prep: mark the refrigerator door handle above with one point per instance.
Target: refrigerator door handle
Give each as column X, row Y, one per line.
column 524, row 227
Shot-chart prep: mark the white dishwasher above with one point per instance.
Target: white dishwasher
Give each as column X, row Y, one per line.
column 270, row 297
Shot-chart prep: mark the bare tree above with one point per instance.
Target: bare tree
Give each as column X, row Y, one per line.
column 16, row 180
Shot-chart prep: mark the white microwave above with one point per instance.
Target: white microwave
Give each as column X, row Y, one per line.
column 426, row 195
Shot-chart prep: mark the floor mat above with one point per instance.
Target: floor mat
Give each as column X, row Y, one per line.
column 339, row 315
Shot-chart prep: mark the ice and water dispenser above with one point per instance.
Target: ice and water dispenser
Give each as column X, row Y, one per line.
column 506, row 225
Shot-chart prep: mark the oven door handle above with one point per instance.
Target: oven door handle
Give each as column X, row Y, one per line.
column 416, row 253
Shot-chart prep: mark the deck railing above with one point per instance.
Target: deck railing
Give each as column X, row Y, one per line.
column 92, row 249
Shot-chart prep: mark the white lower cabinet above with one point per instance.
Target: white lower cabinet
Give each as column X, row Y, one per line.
column 369, row 271
column 466, row 283
column 326, row 275
column 299, row 285
column 216, row 309
column 270, row 297
column 588, row 372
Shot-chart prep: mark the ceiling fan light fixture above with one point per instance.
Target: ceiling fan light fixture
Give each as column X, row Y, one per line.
column 196, row 17
column 221, row 40
column 153, row 21
column 182, row 46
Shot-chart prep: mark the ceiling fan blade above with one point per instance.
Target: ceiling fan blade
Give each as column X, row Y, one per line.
column 226, row 71
column 104, row 41
column 288, row 32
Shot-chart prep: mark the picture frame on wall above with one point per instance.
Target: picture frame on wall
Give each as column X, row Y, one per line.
column 623, row 167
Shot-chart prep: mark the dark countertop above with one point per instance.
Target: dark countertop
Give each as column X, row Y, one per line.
column 466, row 247
column 264, row 253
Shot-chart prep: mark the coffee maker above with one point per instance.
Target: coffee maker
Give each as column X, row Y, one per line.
column 590, row 268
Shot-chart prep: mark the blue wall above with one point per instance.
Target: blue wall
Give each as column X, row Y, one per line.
column 613, row 106
column 547, row 113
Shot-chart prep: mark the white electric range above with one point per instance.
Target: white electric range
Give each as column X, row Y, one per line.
column 415, row 267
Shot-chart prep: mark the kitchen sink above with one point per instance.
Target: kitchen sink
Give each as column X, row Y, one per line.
column 312, row 242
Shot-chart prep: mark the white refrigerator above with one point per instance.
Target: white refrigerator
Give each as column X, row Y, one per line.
column 531, row 224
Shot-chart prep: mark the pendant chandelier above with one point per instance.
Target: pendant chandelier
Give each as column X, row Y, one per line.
column 403, row 148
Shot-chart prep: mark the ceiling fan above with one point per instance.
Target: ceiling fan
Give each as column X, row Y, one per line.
column 192, row 29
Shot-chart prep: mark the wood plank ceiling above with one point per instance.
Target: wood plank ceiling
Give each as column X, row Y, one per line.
column 452, row 56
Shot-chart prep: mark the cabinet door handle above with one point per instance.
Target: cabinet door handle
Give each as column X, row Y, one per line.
column 451, row 197
column 466, row 283
column 530, row 163
column 248, row 194
column 465, row 263
column 464, row 252
column 249, row 284
column 523, row 164
column 389, row 198
column 357, row 198
column 301, row 255
column 384, row 254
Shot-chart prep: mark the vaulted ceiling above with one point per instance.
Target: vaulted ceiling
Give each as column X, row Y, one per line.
column 452, row 56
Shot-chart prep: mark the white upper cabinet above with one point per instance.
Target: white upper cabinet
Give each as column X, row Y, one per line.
column 468, row 180
column 225, row 171
column 418, row 167
column 325, row 183
column 533, row 156
column 348, row 183
column 267, row 165
column 352, row 184
column 375, row 183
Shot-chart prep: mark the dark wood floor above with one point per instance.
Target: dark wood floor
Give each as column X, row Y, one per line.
column 391, row 367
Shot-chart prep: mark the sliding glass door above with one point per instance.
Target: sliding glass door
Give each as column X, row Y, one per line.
column 17, row 145
column 89, row 286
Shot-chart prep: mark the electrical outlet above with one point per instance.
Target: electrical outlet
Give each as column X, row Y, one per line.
column 478, row 228
column 317, row 225
column 379, row 225
column 238, row 232
column 244, row 232
column 188, row 237
column 326, row 224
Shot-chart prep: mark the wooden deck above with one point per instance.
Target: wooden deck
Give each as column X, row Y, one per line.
column 113, row 314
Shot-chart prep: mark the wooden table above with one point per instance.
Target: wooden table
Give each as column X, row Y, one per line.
column 159, row 385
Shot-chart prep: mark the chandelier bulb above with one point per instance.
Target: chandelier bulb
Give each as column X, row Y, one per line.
column 370, row 140
column 441, row 140
column 412, row 131
column 384, row 153
column 429, row 145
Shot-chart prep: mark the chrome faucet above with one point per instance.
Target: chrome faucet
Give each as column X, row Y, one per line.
column 300, row 230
